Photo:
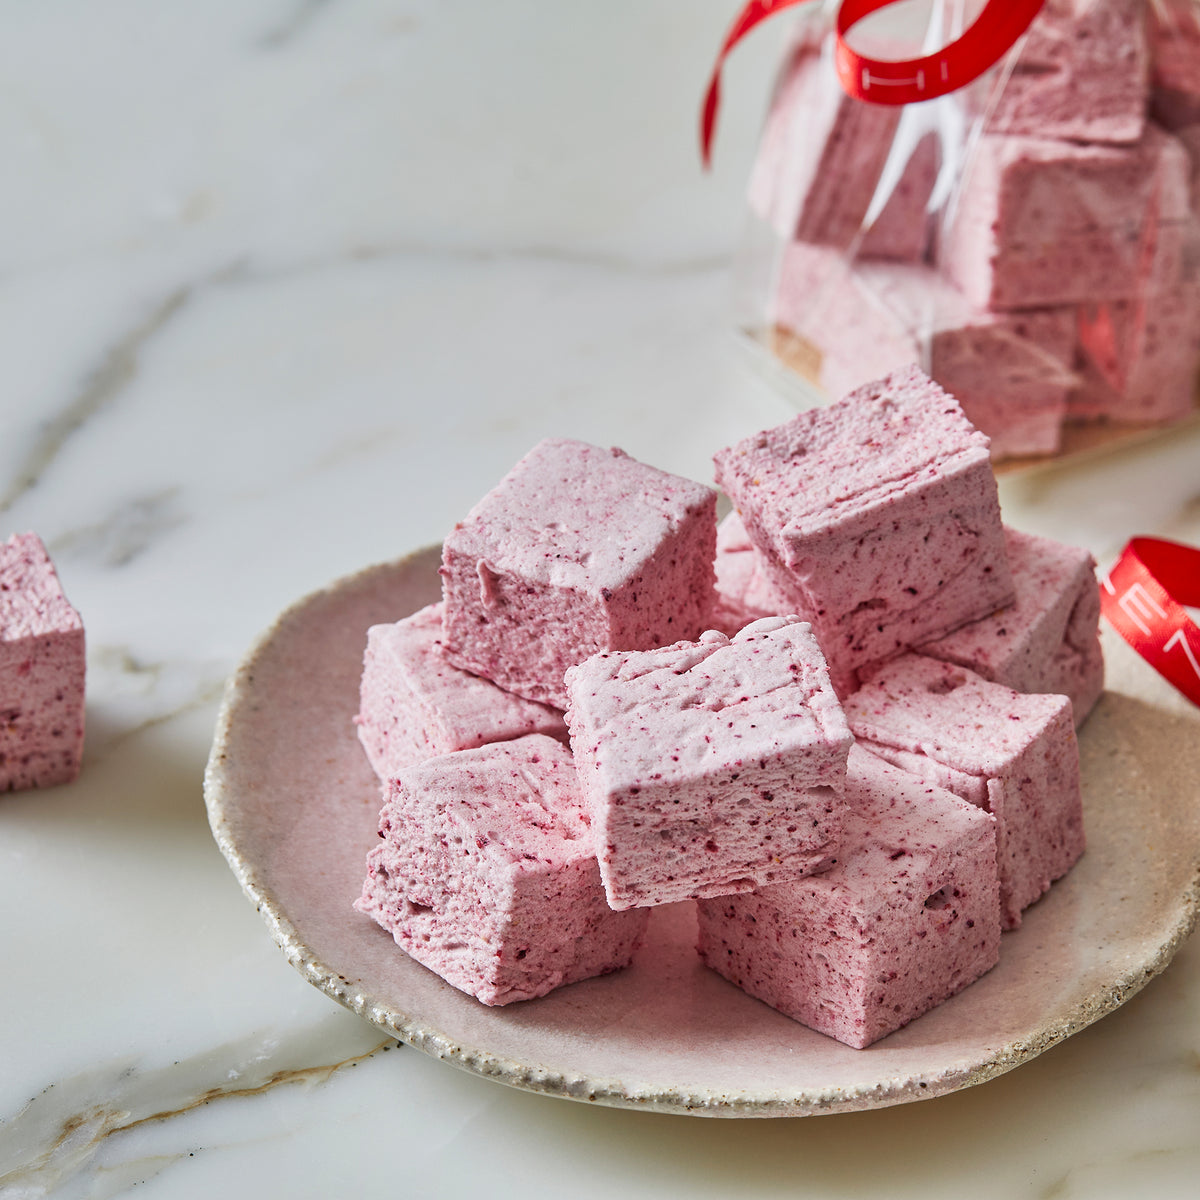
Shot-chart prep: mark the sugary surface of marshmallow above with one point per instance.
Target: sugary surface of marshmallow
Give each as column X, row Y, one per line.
column 416, row 705
column 1048, row 638
column 1020, row 748
column 710, row 767
column 1082, row 74
column 485, row 873
column 42, row 670
column 877, row 518
column 1041, row 222
column 906, row 917
column 578, row 550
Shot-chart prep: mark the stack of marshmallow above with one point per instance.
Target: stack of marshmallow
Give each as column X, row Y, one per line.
column 1060, row 282
column 595, row 720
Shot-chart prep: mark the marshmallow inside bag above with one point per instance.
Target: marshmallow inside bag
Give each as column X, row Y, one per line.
column 1040, row 222
column 1082, row 74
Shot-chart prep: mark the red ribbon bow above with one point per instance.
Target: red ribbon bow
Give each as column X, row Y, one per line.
column 1144, row 599
column 995, row 30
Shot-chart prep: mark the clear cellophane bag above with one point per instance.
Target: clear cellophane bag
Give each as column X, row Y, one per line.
column 1031, row 240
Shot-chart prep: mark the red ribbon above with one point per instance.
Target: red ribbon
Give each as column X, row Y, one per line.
column 1143, row 599
column 994, row 32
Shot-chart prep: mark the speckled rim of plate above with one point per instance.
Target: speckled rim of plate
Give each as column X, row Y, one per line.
column 292, row 805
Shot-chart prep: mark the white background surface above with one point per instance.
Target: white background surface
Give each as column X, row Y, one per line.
column 283, row 289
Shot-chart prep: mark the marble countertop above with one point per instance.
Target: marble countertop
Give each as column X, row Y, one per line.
column 284, row 287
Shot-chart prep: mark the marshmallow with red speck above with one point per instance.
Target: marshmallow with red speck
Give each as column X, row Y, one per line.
column 42, row 670
column 876, row 518
column 906, row 917
column 1048, row 638
column 577, row 550
column 415, row 705
column 485, row 873
column 1011, row 753
column 710, row 767
column 1041, row 222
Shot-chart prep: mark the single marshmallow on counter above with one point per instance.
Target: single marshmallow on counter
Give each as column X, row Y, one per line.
column 877, row 518
column 906, row 917
column 1048, row 638
column 42, row 670
column 577, row 550
column 1013, row 754
column 711, row 767
column 415, row 705
column 486, row 873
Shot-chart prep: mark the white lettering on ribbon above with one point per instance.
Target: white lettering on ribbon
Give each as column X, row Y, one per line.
column 1177, row 639
column 1137, row 604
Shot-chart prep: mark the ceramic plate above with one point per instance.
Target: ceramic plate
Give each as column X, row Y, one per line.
column 293, row 806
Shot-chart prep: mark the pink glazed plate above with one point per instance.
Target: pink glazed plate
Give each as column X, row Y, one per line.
column 293, row 806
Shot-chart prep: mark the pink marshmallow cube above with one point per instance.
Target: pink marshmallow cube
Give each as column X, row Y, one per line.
column 576, row 551
column 1042, row 222
column 1011, row 753
column 1048, row 638
column 42, row 671
column 1082, row 74
column 907, row 917
column 486, row 875
column 415, row 705
column 711, row 767
column 877, row 518
column 900, row 231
